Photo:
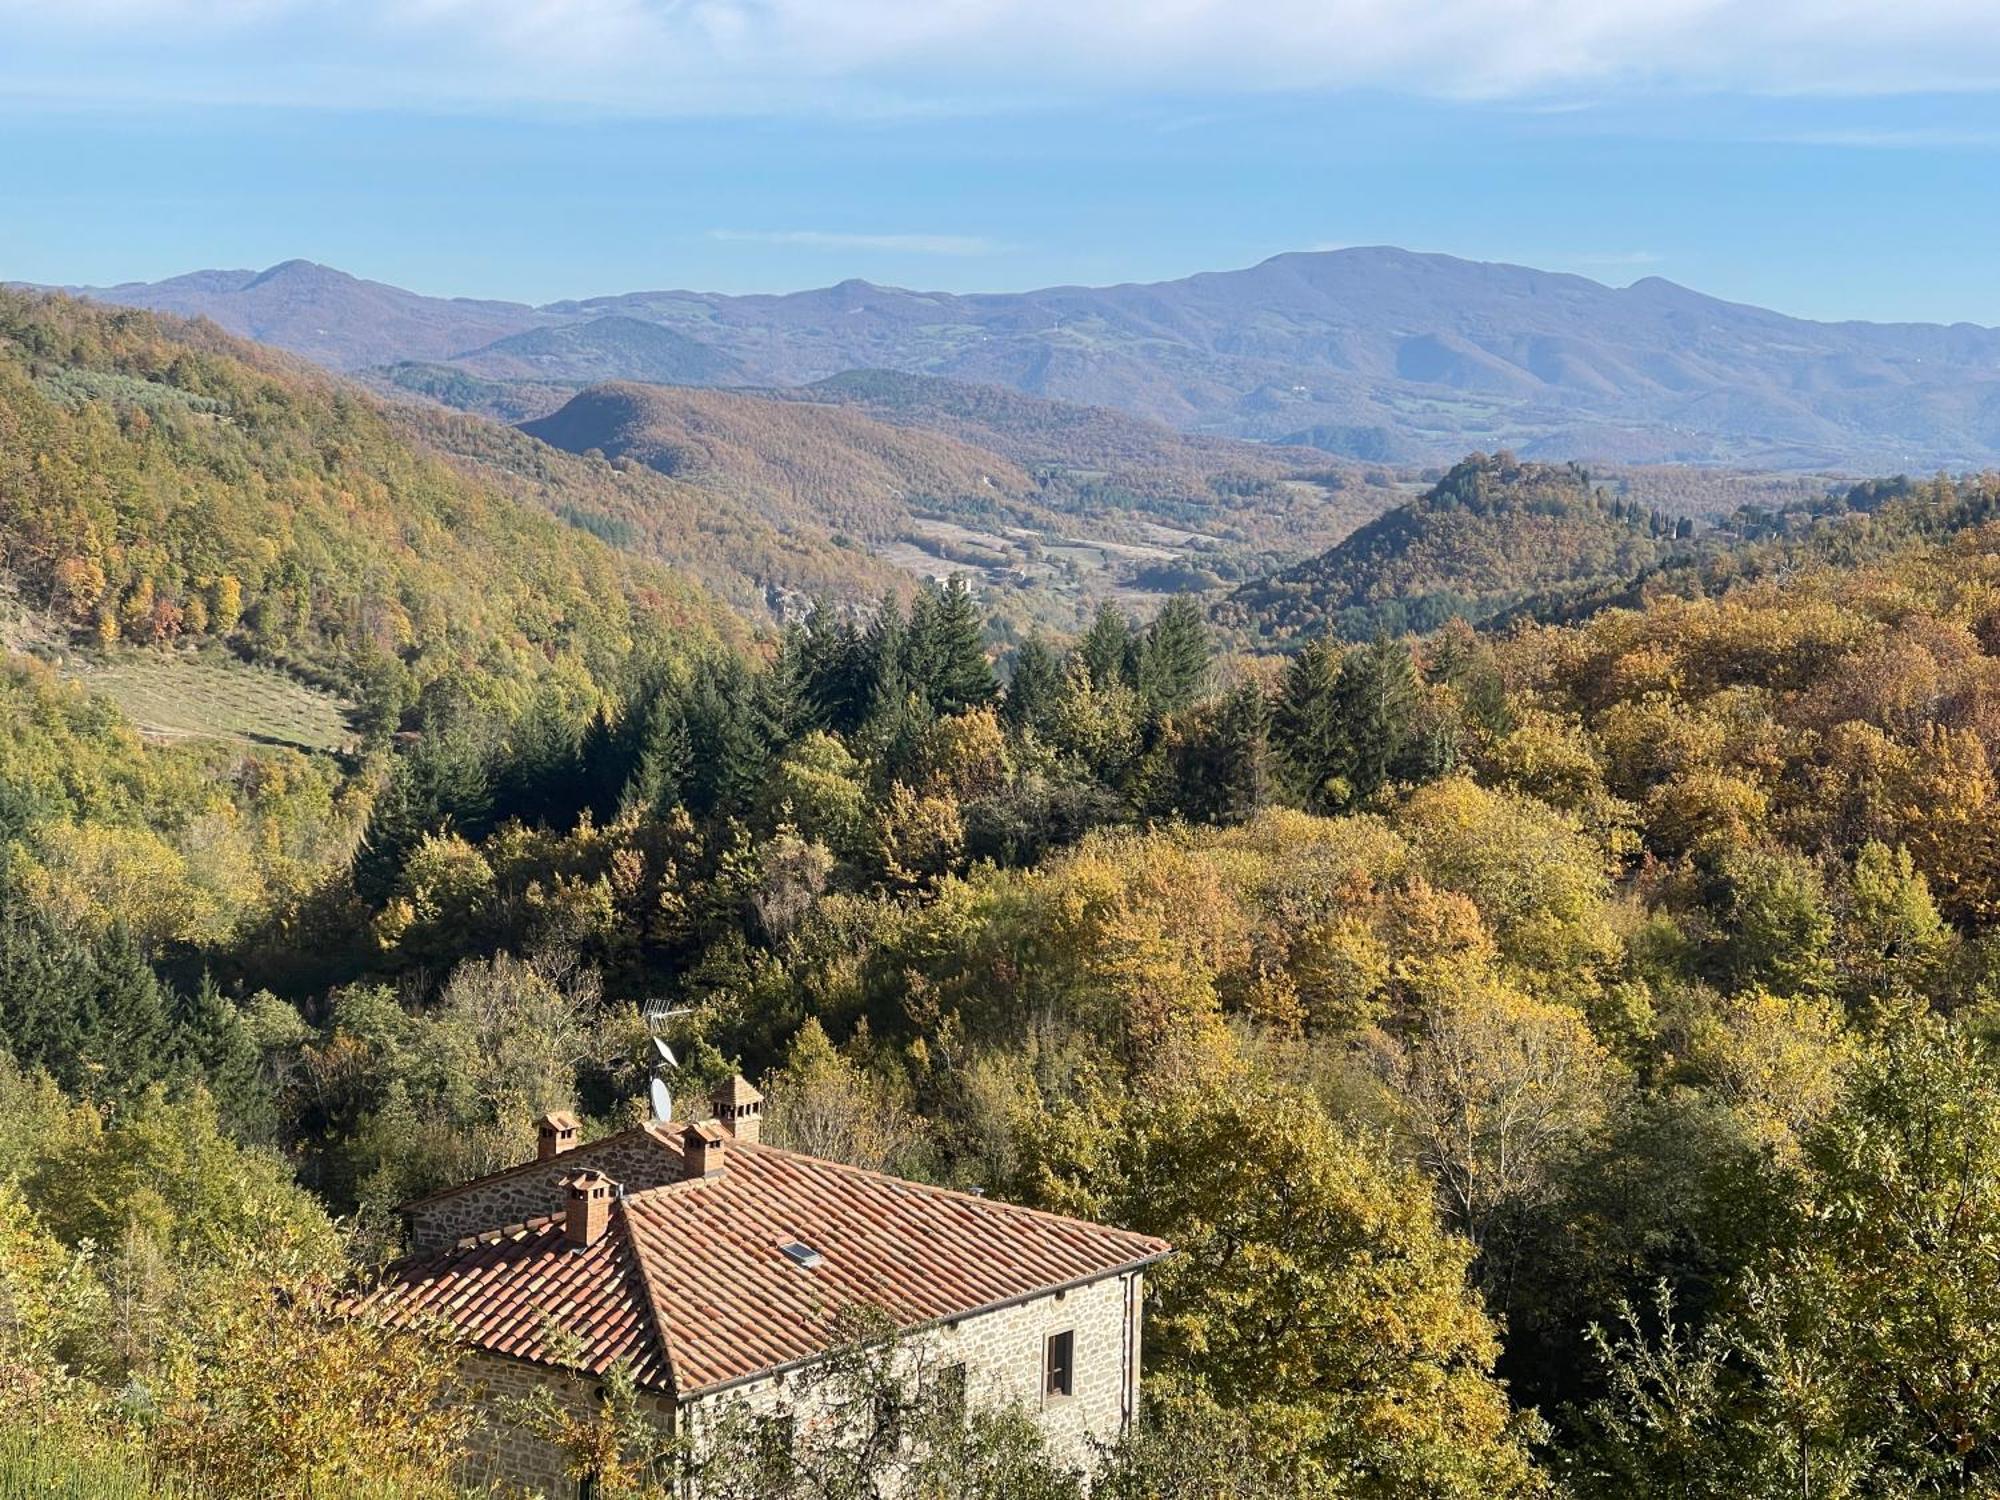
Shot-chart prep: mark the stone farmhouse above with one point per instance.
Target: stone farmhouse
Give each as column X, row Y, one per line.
column 714, row 1268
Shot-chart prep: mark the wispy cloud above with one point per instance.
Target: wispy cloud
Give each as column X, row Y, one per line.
column 903, row 244
column 683, row 56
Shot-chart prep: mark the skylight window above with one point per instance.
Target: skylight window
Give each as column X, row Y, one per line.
column 803, row 1255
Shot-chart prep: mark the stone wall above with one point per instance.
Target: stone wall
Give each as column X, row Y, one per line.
column 507, row 1454
column 633, row 1159
column 1004, row 1352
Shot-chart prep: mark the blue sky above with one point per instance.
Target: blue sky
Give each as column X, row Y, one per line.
column 1810, row 155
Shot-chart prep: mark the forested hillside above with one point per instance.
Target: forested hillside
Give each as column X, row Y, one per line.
column 1560, row 1054
column 1490, row 534
column 1051, row 509
column 768, row 560
column 167, row 487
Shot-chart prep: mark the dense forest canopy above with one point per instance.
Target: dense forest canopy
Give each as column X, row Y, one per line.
column 1489, row 534
column 1560, row 1052
column 167, row 485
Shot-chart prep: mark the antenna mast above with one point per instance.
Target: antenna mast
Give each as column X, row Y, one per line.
column 663, row 1060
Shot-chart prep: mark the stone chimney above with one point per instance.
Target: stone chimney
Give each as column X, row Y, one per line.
column 586, row 1208
column 555, row 1134
column 739, row 1109
column 702, row 1145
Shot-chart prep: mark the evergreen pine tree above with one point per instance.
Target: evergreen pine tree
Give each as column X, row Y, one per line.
column 1107, row 647
column 604, row 764
column 923, row 648
column 210, row 1040
column 884, row 674
column 1033, row 686
column 1242, row 758
column 1378, row 700
column 444, row 779
column 662, row 755
column 727, row 749
column 964, row 677
column 1308, row 729
column 539, row 780
column 833, row 672
column 1174, row 657
column 86, row 1008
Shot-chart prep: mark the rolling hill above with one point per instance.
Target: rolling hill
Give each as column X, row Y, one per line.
column 169, row 490
column 1489, row 535
column 1379, row 354
column 1044, row 537
column 609, row 348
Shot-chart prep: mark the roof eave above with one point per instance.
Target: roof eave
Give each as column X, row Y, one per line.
column 1053, row 1289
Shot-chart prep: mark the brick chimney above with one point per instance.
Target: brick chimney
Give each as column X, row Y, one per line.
column 702, row 1145
column 555, row 1134
column 739, row 1109
column 586, row 1208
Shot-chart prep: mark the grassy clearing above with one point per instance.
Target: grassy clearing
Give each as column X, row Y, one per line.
column 34, row 1467
column 73, row 1463
column 180, row 697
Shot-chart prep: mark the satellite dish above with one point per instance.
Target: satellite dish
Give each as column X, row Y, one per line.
column 663, row 1055
column 663, row 1101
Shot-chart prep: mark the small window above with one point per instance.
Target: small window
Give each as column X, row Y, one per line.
column 951, row 1389
column 1060, row 1367
column 774, row 1437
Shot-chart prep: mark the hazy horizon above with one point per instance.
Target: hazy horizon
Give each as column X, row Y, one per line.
column 535, row 151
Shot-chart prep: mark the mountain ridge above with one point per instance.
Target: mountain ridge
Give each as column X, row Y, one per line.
column 1379, row 353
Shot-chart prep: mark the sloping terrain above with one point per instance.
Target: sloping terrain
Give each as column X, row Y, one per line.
column 1376, row 354
column 330, row 317
column 802, row 463
column 611, row 348
column 165, row 486
column 1035, row 430
column 1044, row 538
column 1490, row 534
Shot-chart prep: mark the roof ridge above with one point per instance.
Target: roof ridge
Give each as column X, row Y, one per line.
column 650, row 1129
column 655, row 1314
column 1002, row 1206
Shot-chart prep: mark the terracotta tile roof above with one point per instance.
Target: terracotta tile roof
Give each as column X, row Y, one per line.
column 692, row 1283
column 524, row 1291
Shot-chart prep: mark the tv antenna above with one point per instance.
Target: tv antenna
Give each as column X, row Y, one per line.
column 663, row 1062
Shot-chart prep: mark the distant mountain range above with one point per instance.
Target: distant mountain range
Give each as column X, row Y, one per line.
column 1376, row 354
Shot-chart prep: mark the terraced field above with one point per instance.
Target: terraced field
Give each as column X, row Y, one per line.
column 180, row 697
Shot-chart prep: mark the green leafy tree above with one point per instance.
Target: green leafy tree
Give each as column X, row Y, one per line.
column 1310, row 731
column 1313, row 1292
column 1778, row 927
column 948, row 655
column 1377, row 697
